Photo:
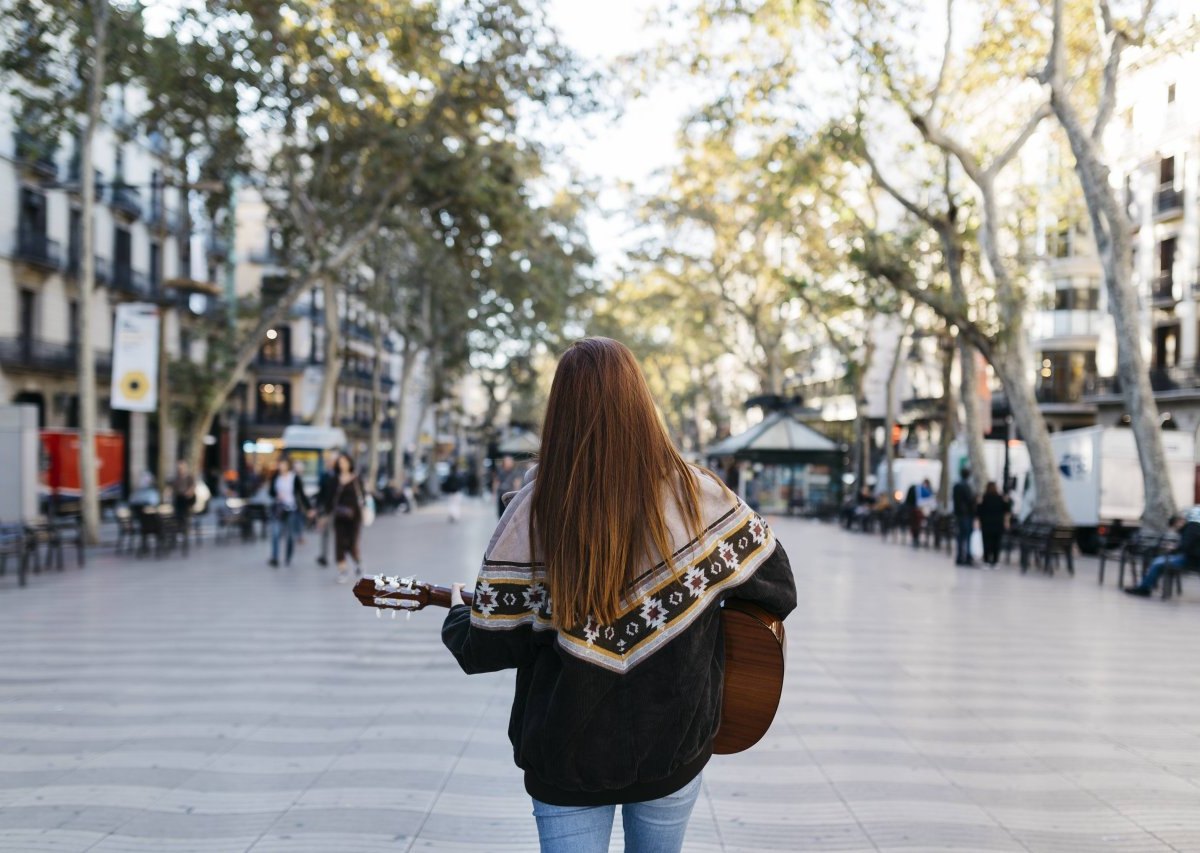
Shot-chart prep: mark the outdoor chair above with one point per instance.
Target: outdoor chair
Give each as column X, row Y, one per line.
column 127, row 529
column 42, row 532
column 1142, row 547
column 68, row 532
column 12, row 544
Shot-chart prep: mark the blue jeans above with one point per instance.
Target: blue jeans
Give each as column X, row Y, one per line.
column 284, row 521
column 966, row 526
column 655, row 826
column 1158, row 566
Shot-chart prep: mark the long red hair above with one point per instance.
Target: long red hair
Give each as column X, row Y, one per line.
column 607, row 465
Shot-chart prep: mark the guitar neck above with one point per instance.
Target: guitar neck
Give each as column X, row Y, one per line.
column 439, row 596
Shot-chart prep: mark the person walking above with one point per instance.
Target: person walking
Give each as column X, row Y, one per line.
column 602, row 587
column 453, row 489
column 348, row 499
column 963, row 499
column 993, row 513
column 183, row 498
column 326, row 484
column 286, row 494
column 508, row 479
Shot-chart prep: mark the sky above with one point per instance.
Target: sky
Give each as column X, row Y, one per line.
column 640, row 141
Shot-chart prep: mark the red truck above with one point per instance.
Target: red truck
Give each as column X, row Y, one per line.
column 59, row 468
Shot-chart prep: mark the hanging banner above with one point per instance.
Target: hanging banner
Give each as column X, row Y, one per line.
column 135, row 358
column 983, row 392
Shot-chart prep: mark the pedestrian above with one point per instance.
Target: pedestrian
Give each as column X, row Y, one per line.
column 146, row 494
column 912, row 511
column 285, row 491
column 183, row 497
column 453, row 488
column 326, row 484
column 613, row 629
column 963, row 499
column 508, row 479
column 1185, row 555
column 348, row 499
column 993, row 512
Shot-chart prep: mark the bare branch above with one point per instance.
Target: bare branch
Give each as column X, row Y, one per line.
column 1019, row 141
column 941, row 78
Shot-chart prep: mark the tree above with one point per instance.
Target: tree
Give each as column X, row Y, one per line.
column 1112, row 227
column 58, row 62
column 1006, row 347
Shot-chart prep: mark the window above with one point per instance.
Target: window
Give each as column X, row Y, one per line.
column 1166, row 263
column 1170, row 93
column 274, row 406
column 155, row 266
column 75, row 239
column 27, row 311
column 1081, row 298
column 33, row 212
column 73, row 321
column 276, row 349
column 1063, row 376
column 122, row 250
column 1166, row 172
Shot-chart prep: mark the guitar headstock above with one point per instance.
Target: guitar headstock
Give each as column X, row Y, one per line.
column 393, row 593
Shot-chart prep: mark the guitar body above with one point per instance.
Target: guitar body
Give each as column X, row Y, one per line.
column 754, row 661
column 754, row 655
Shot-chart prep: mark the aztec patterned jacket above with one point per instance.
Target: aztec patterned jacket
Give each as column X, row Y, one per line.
column 623, row 712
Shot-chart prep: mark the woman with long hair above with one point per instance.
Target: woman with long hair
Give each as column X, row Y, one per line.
column 602, row 587
column 347, row 506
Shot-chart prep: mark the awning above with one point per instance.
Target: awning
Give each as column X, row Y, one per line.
column 780, row 437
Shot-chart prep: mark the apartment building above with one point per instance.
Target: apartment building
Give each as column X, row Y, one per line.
column 143, row 243
column 1154, row 145
column 284, row 382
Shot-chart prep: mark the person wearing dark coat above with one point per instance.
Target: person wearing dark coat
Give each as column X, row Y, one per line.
column 993, row 511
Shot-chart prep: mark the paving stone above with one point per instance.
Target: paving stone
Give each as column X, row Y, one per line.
column 213, row 704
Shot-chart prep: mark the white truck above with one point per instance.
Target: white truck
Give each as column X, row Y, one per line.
column 909, row 471
column 1102, row 477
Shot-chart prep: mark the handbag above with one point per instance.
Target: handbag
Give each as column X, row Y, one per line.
column 977, row 544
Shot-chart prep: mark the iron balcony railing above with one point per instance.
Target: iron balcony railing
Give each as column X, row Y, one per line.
column 125, row 199
column 35, row 154
column 126, row 279
column 35, row 248
column 33, row 353
column 1167, row 200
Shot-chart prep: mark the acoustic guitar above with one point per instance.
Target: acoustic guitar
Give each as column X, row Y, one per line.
column 754, row 654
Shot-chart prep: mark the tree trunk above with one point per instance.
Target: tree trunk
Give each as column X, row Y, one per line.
column 973, row 427
column 890, row 413
column 409, row 354
column 323, row 416
column 1111, row 227
column 949, row 424
column 951, row 240
column 88, row 398
column 379, row 404
column 1014, row 368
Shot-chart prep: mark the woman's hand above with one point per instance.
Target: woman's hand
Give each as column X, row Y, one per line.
column 456, row 594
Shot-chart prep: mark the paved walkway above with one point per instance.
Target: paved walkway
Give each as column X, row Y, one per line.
column 212, row 704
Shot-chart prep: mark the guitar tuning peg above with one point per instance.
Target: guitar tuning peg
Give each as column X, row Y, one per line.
column 393, row 614
column 378, row 614
column 407, row 615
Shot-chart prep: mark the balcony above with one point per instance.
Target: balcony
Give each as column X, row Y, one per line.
column 127, row 280
column 124, row 199
column 26, row 353
column 102, row 272
column 217, row 246
column 1163, row 294
column 35, row 155
column 1180, row 377
column 1067, row 323
column 160, row 218
column 267, row 257
column 1168, row 201
column 36, row 249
